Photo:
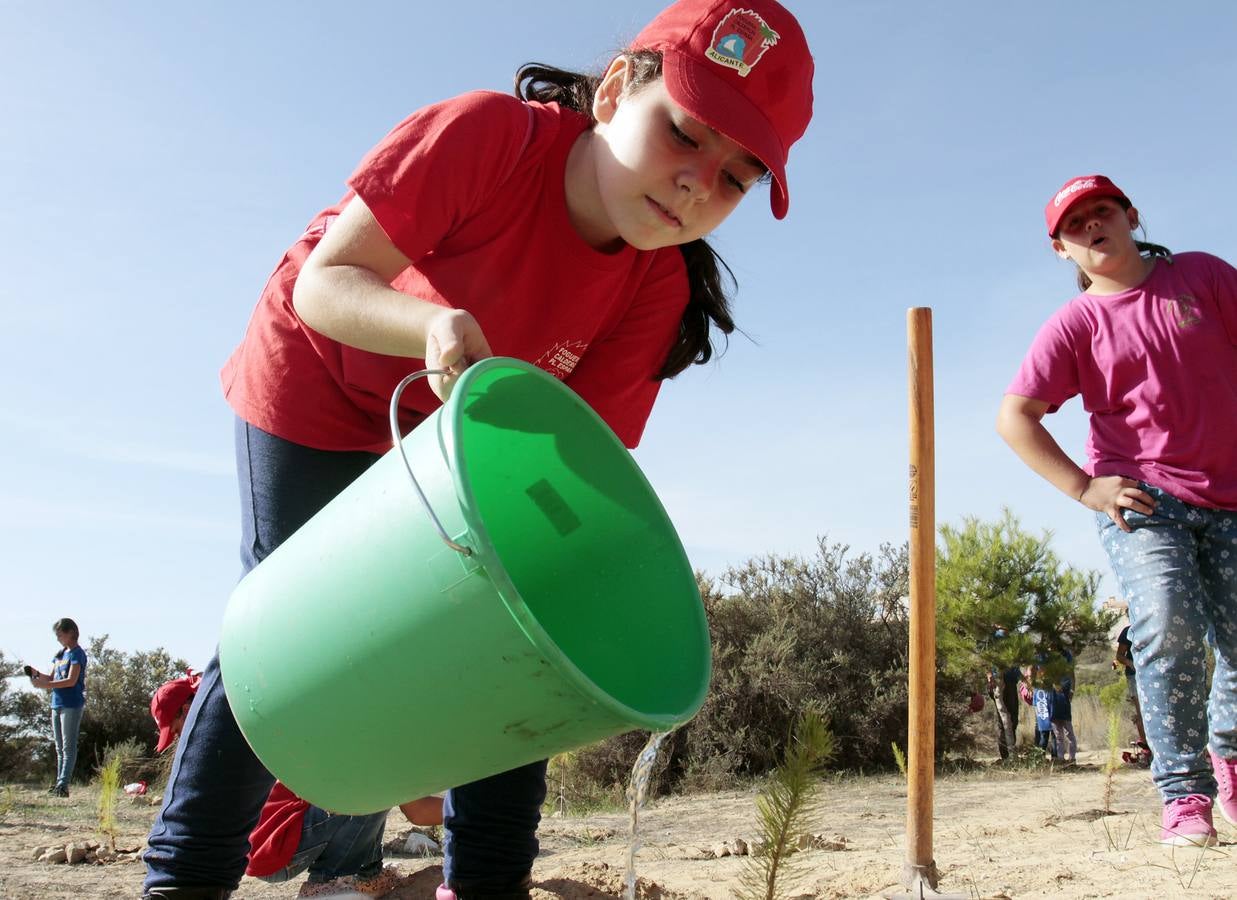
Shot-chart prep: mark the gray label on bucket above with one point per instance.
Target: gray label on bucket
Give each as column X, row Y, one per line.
column 555, row 508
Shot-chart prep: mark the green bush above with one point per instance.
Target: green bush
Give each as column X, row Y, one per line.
column 120, row 686
column 26, row 750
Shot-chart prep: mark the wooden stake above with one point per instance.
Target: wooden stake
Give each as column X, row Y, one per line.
column 921, row 743
column 919, row 874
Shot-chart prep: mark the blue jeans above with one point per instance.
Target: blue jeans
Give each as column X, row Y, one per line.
column 1043, row 739
column 332, row 846
column 1178, row 571
column 217, row 786
column 1065, row 744
column 66, row 724
column 490, row 832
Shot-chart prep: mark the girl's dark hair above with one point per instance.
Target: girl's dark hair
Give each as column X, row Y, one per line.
column 66, row 626
column 708, row 303
column 1147, row 249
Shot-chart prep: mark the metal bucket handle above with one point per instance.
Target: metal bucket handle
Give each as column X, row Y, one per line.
column 396, row 438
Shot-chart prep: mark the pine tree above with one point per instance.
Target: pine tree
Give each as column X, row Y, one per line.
column 1005, row 599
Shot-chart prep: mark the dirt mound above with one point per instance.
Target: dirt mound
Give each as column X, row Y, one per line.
column 599, row 881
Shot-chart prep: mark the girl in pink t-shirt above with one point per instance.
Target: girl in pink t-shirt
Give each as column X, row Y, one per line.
column 1151, row 346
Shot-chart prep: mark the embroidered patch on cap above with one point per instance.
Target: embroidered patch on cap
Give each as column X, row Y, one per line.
column 740, row 39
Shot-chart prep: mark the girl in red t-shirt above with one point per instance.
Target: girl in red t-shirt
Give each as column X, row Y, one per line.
column 565, row 226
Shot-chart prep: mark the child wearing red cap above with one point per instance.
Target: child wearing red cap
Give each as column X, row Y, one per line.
column 1151, row 346
column 170, row 705
column 340, row 852
column 564, row 226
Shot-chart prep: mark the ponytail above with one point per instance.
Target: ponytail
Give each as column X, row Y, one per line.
column 548, row 84
column 708, row 304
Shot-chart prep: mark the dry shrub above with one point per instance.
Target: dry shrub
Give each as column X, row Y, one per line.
column 1091, row 709
column 827, row 633
column 572, row 787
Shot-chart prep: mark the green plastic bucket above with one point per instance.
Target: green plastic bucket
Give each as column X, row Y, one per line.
column 372, row 659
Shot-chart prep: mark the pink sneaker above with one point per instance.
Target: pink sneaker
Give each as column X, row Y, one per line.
column 1187, row 822
column 444, row 893
column 1226, row 781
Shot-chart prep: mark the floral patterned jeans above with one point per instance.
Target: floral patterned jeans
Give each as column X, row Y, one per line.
column 1178, row 571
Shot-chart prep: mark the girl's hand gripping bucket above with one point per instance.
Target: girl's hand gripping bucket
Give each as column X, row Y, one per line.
column 372, row 659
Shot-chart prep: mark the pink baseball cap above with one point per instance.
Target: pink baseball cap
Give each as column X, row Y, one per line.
column 742, row 68
column 1074, row 190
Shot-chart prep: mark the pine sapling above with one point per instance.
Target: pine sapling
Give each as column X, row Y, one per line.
column 900, row 758
column 559, row 766
column 109, row 786
column 785, row 809
column 1110, row 764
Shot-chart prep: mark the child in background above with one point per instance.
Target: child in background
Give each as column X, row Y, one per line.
column 1060, row 714
column 170, row 706
column 1124, row 661
column 1039, row 698
column 67, row 685
column 1151, row 345
column 1003, row 689
column 564, row 226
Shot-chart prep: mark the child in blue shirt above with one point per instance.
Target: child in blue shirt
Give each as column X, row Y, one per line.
column 1041, row 700
column 67, row 684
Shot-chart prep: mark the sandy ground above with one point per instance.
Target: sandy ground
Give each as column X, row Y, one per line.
column 997, row 833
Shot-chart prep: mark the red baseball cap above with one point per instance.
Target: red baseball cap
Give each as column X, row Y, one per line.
column 167, row 703
column 1074, row 190
column 742, row 68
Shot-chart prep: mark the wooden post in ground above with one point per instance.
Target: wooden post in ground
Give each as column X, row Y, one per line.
column 919, row 873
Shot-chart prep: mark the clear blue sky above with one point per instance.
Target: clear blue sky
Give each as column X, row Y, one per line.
column 157, row 158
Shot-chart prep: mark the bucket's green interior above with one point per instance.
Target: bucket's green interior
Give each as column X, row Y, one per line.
column 583, row 539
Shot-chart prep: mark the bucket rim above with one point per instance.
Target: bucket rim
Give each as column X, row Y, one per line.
column 489, row 560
